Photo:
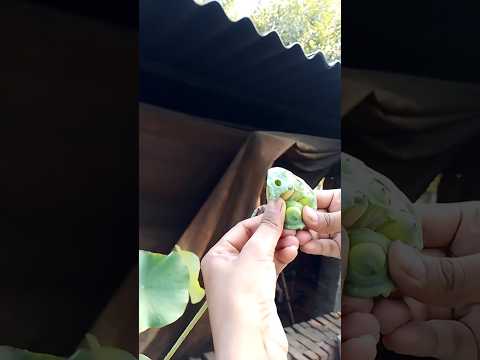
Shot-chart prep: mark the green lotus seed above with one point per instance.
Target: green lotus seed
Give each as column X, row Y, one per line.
column 293, row 215
column 282, row 183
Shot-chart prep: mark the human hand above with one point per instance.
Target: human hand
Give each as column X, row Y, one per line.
column 360, row 329
column 240, row 274
column 323, row 236
column 438, row 314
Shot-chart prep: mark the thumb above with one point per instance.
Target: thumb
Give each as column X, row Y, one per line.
column 443, row 281
column 263, row 242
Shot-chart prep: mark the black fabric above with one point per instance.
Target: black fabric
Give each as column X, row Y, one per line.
column 119, row 12
column 69, row 181
column 423, row 38
column 409, row 128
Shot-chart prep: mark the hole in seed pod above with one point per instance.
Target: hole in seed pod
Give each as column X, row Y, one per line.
column 278, row 182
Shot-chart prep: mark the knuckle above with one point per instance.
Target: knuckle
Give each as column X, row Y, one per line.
column 269, row 222
column 204, row 262
column 326, row 219
column 337, row 198
column 452, row 275
column 207, row 262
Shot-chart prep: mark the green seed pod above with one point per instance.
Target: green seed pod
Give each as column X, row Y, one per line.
column 295, row 191
column 367, row 269
column 354, row 209
column 402, row 225
column 375, row 213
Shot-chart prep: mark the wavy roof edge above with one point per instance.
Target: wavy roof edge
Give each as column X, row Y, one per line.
column 295, row 46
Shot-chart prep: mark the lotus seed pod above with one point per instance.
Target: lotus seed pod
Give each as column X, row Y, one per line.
column 295, row 191
column 375, row 213
column 355, row 206
column 402, row 225
column 367, row 269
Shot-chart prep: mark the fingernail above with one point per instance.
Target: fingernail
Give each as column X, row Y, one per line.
column 310, row 215
column 410, row 262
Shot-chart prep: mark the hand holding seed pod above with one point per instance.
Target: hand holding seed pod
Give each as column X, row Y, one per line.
column 375, row 213
column 296, row 193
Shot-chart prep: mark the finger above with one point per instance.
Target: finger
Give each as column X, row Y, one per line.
column 307, row 235
column 285, row 256
column 287, row 232
column 472, row 320
column 322, row 222
column 286, row 241
column 439, row 223
column 441, row 339
column 344, row 251
column 362, row 348
column 236, row 238
column 263, row 242
column 304, row 236
column 468, row 229
column 391, row 314
column 418, row 310
column 324, row 247
column 434, row 280
column 329, row 199
column 358, row 324
column 448, row 225
column 421, row 311
column 351, row 305
column 285, row 252
column 434, row 252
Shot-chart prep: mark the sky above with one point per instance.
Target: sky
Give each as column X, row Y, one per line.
column 245, row 7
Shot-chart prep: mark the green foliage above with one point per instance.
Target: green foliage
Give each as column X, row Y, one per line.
column 192, row 262
column 92, row 352
column 315, row 24
column 9, row 353
column 165, row 283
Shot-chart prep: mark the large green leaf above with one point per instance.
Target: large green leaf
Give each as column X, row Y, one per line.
column 93, row 352
column 10, row 353
column 192, row 262
column 97, row 352
column 104, row 353
column 163, row 289
column 110, row 353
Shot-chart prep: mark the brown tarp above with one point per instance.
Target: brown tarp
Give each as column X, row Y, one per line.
column 197, row 179
column 396, row 122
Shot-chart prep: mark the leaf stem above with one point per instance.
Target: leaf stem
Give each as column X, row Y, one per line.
column 187, row 331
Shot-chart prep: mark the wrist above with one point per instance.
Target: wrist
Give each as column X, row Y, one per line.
column 237, row 330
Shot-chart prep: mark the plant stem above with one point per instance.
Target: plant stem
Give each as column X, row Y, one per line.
column 187, row 331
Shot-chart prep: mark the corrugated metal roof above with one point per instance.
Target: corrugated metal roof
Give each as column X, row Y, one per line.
column 194, row 59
